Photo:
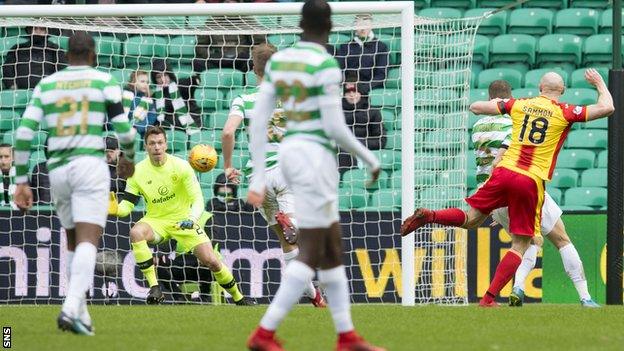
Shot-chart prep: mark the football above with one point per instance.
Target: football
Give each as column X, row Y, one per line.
column 203, row 158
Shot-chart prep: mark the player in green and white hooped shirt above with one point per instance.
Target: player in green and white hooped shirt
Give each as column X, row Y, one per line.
column 307, row 80
column 278, row 207
column 71, row 106
column 491, row 136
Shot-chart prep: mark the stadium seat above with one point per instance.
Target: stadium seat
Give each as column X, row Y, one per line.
column 600, row 123
column 390, row 159
column 606, row 21
column 583, row 22
column 336, row 39
column 478, row 95
column 577, row 79
column 122, row 75
column 598, row 4
column 141, row 50
column 419, row 4
column 481, row 51
column 564, row 178
column 239, row 160
column 359, row 178
column 441, row 197
column 176, row 140
column 250, row 79
column 194, row 22
column 494, row 25
column 209, row 99
column 555, row 193
column 164, row 22
column 386, row 200
column 222, row 78
column 525, row 93
column 549, row 4
column 9, row 120
column 218, row 119
column 444, row 139
column 532, row 21
column 512, row 76
column 494, row 3
column 211, row 137
column 14, row 99
column 390, row 120
column 385, row 98
column 182, row 49
column 587, row 139
column 393, row 140
column 594, row 177
column 231, row 94
column 558, row 48
column 597, row 50
column 449, row 78
column 108, row 51
column 533, row 77
column 603, row 158
column 576, row 208
column 518, row 48
column 438, row 98
column 580, row 96
column 7, row 43
column 282, row 40
column 393, row 79
column 471, row 175
column 576, row 159
column 586, row 196
column 440, row 12
column 350, row 197
column 61, row 41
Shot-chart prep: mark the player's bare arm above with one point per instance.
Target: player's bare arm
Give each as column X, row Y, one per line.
column 604, row 107
column 485, row 107
column 227, row 140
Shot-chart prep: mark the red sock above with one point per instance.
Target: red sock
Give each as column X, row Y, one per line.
column 453, row 217
column 265, row 333
column 348, row 336
column 504, row 272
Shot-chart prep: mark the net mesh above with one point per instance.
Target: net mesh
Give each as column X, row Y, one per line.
column 210, row 59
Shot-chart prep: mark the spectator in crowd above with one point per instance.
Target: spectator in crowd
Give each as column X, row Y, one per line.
column 40, row 181
column 7, row 172
column 174, row 98
column 113, row 152
column 138, row 102
column 223, row 51
column 26, row 63
column 226, row 197
column 364, row 55
column 365, row 121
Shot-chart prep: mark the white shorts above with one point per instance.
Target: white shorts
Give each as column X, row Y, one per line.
column 550, row 215
column 80, row 190
column 278, row 196
column 311, row 172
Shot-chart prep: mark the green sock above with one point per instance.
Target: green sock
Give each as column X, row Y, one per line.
column 226, row 280
column 143, row 258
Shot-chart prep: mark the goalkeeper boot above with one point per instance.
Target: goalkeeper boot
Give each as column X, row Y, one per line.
column 420, row 217
column 245, row 301
column 485, row 303
column 351, row 341
column 263, row 340
column 589, row 303
column 516, row 297
column 318, row 300
column 66, row 323
column 155, row 296
column 290, row 232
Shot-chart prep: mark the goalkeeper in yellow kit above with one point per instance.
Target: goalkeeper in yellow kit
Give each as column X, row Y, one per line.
column 174, row 210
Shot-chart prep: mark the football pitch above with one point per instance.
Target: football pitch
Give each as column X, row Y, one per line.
column 194, row 327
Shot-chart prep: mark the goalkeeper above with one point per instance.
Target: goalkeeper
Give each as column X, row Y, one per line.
column 174, row 210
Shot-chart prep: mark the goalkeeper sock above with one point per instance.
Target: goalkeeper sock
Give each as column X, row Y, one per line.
column 574, row 267
column 143, row 258
column 528, row 263
column 310, row 290
column 82, row 270
column 337, row 290
column 225, row 278
column 294, row 280
column 453, row 217
column 505, row 270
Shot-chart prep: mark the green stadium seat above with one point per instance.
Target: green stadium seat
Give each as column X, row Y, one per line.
column 512, row 76
column 218, row 119
column 194, row 22
column 393, row 79
column 555, row 193
column 425, row 118
column 577, row 21
column 336, row 39
column 600, row 123
column 478, row 95
column 441, row 197
column 390, row 119
column 390, row 160
column 182, row 49
column 61, row 41
column 359, row 178
column 231, row 94
column 448, row 78
column 518, row 48
column 386, row 200
column 496, row 24
column 440, row 12
column 9, row 120
column 435, row 97
column 444, row 139
column 210, row 137
column 141, row 50
column 575, row 208
column 481, row 52
column 606, row 21
column 14, row 99
column 209, row 99
column 122, row 75
column 282, row 40
column 8, row 137
column 576, row 159
column 577, row 78
column 458, row 4
column 594, row 177
column 525, row 93
column 432, row 161
column 239, row 160
column 580, row 96
column 108, row 51
column 250, row 79
column 350, row 197
column 385, row 98
column 419, row 4
column 393, row 140
column 176, row 140
column 603, row 159
column 548, row 4
column 471, row 175
column 559, row 48
column 587, row 139
column 586, row 196
column 564, row 178
column 494, row 3
column 532, row 21
column 533, row 77
column 183, row 71
column 598, row 4
column 597, row 50
column 222, row 78
column 164, row 22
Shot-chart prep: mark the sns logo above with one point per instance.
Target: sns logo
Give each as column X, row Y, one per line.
column 163, row 190
column 577, row 110
column 6, row 337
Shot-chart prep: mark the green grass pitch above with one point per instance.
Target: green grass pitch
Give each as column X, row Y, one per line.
column 533, row 327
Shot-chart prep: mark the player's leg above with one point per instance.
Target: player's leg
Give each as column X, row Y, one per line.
column 529, row 259
column 142, row 233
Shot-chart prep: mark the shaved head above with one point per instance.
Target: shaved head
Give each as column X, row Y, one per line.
column 552, row 84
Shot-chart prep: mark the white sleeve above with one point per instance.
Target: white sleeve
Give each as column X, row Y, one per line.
column 263, row 109
column 333, row 120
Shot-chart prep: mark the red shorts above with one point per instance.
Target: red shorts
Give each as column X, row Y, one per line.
column 522, row 194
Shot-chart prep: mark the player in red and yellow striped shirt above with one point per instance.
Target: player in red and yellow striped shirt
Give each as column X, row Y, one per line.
column 540, row 126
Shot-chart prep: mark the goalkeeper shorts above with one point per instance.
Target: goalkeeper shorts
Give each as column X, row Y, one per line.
column 311, row 172
column 278, row 196
column 550, row 215
column 166, row 229
column 80, row 190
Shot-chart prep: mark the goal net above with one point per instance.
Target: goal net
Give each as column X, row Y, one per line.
column 206, row 53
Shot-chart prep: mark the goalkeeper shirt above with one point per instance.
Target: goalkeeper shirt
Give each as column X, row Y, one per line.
column 489, row 135
column 171, row 191
column 71, row 106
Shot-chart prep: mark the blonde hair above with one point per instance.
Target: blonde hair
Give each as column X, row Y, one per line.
column 133, row 77
column 261, row 54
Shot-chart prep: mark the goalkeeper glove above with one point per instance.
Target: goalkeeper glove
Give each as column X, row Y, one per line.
column 113, row 206
column 186, row 224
